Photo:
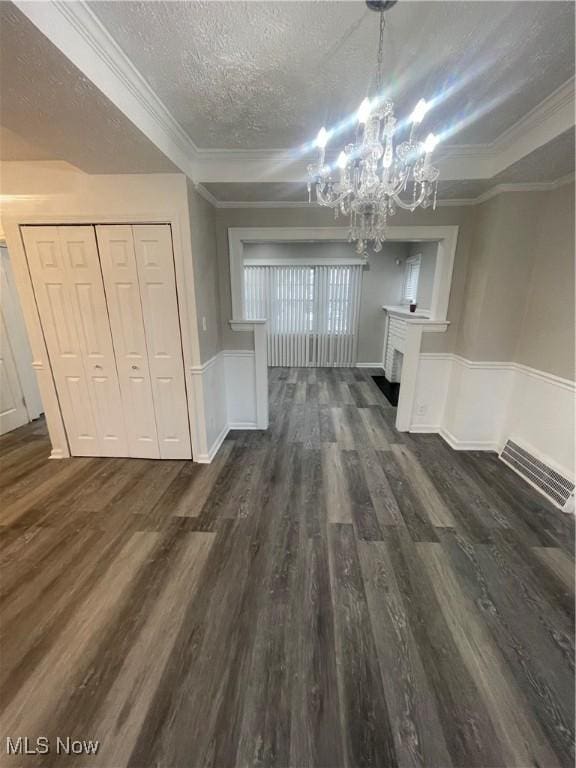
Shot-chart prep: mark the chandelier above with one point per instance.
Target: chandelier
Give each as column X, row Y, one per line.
column 376, row 173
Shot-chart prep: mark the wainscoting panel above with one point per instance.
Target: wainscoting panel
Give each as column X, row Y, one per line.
column 478, row 405
column 211, row 417
column 541, row 418
column 240, row 388
column 225, row 398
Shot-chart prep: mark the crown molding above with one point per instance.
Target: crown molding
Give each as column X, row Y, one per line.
column 207, row 195
column 538, row 186
column 84, row 40
column 552, row 117
column 498, row 189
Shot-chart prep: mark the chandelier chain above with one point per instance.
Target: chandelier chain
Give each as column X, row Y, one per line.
column 379, row 73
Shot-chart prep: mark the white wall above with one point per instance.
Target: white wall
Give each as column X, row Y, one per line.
column 478, row 405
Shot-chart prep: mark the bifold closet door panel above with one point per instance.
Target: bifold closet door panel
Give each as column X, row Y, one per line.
column 155, row 263
column 67, row 282
column 118, row 261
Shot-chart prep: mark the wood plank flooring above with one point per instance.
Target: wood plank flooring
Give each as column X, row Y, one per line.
column 328, row 593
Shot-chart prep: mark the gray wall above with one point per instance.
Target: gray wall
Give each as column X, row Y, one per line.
column 381, row 283
column 206, row 282
column 512, row 293
column 519, row 294
column 321, row 217
column 546, row 339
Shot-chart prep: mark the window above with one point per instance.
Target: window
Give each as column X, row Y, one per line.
column 411, row 275
column 314, row 308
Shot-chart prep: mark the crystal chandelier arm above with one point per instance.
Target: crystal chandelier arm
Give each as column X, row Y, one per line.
column 412, row 205
column 330, row 202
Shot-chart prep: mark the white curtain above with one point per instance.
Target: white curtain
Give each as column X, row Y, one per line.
column 312, row 312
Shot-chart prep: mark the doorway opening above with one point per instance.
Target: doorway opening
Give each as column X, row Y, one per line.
column 442, row 239
column 20, row 401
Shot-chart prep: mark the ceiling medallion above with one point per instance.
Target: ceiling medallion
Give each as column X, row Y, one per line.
column 376, row 173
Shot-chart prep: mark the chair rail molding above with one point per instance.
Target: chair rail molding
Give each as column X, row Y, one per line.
column 479, row 404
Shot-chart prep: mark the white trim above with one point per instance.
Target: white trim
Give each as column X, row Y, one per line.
column 86, row 42
column 502, row 365
column 528, row 186
column 206, row 458
column 370, row 365
column 80, row 35
column 207, row 195
column 446, row 236
column 550, row 118
column 468, row 445
column 458, row 202
column 199, row 369
column 412, row 344
column 265, row 204
column 304, row 262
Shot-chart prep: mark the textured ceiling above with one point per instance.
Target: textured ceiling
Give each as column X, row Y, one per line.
column 258, row 75
column 547, row 163
column 49, row 110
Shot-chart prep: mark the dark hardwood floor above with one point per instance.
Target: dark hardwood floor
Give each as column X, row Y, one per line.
column 329, row 593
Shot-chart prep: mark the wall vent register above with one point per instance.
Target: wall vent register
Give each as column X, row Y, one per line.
column 548, row 481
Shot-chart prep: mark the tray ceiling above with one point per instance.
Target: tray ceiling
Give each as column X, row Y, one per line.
column 261, row 75
column 51, row 111
column 547, row 164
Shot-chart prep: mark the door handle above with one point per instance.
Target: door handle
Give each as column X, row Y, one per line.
column 99, row 367
column 134, row 367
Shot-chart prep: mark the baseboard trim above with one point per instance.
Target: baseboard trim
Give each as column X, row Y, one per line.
column 452, row 440
column 206, row 458
column 468, row 445
column 370, row 365
column 425, row 429
column 244, row 425
column 57, row 453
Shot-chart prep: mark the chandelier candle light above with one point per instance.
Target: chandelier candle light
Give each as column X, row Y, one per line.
column 376, row 174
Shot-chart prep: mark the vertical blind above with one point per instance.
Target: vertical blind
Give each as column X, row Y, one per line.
column 312, row 312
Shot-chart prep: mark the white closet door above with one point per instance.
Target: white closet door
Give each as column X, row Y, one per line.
column 65, row 272
column 155, row 263
column 13, row 412
column 116, row 246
